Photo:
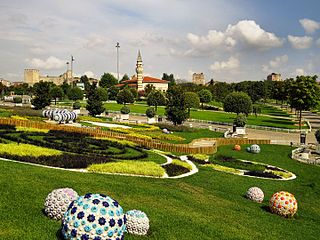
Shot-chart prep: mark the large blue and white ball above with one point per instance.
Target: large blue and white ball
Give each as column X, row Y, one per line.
column 255, row 148
column 137, row 222
column 94, row 217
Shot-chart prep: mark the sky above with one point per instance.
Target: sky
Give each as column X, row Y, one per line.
column 229, row 41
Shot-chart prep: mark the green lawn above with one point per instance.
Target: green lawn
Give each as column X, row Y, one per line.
column 269, row 121
column 207, row 205
column 273, row 111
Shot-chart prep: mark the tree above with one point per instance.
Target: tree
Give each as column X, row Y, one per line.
column 205, row 96
column 65, row 88
column 103, row 93
column 85, row 80
column 304, row 94
column 192, row 101
column 125, row 96
column 56, row 92
column 148, row 89
column 151, row 112
column 107, row 80
column 42, row 97
column 240, row 120
column 134, row 92
column 94, row 103
column 317, row 135
column 176, row 110
column 238, row 102
column 125, row 78
column 113, row 92
column 75, row 94
column 156, row 98
column 170, row 78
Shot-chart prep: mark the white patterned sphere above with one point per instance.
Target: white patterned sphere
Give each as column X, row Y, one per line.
column 248, row 149
column 137, row 222
column 255, row 148
column 255, row 194
column 283, row 204
column 94, row 217
column 57, row 202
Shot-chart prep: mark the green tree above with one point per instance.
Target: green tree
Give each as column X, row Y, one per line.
column 170, row 78
column 151, row 112
column 240, row 120
column 192, row 101
column 304, row 94
column 134, row 92
column 148, row 89
column 75, row 94
column 65, row 88
column 125, row 96
column 107, row 80
column 125, row 78
column 94, row 103
column 176, row 110
column 42, row 97
column 85, row 80
column 205, row 96
column 238, row 102
column 156, row 98
column 56, row 93
column 103, row 93
column 113, row 92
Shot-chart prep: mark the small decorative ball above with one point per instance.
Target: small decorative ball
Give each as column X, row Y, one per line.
column 283, row 204
column 137, row 222
column 94, row 216
column 57, row 202
column 237, row 147
column 255, row 148
column 248, row 149
column 255, row 194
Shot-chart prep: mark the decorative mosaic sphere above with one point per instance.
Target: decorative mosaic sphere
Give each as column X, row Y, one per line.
column 255, row 148
column 237, row 147
column 283, row 204
column 255, row 194
column 137, row 222
column 57, row 202
column 94, row 217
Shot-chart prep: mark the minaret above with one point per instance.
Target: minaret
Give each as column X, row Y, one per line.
column 139, row 71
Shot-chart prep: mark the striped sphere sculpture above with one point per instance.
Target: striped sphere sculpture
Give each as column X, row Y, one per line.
column 60, row 115
column 94, row 216
column 57, row 202
column 283, row 204
column 137, row 222
column 255, row 194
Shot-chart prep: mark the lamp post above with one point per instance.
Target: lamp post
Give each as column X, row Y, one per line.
column 67, row 78
column 72, row 60
column 118, row 46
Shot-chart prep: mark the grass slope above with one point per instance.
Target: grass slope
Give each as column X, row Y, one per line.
column 207, row 205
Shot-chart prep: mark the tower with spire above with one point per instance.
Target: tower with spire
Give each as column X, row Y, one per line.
column 139, row 71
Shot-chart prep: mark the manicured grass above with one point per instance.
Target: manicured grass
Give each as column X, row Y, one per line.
column 129, row 167
column 207, row 205
column 216, row 116
column 198, row 133
column 182, row 164
column 27, row 150
column 273, row 111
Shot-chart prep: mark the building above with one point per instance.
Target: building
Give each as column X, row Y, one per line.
column 139, row 81
column 198, row 78
column 32, row 76
column 5, row 82
column 274, row 77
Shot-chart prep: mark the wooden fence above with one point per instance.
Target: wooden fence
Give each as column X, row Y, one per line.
column 182, row 148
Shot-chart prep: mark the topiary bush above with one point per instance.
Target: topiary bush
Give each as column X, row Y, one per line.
column 17, row 100
column 240, row 120
column 125, row 110
column 76, row 105
column 150, row 112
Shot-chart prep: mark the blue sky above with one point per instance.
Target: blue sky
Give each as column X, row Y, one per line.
column 230, row 41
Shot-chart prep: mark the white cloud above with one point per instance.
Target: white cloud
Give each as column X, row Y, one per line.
column 299, row 72
column 49, row 64
column 275, row 63
column 96, row 40
column 231, row 64
column 300, row 42
column 89, row 74
column 246, row 32
column 309, row 25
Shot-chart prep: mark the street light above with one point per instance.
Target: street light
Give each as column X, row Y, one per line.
column 67, row 78
column 72, row 60
column 118, row 46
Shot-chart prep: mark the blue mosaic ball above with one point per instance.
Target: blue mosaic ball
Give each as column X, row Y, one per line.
column 94, row 217
column 255, row 148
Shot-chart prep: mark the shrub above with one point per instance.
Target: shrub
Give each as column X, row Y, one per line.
column 76, row 105
column 129, row 167
column 258, row 173
column 150, row 112
column 182, row 164
column 18, row 117
column 175, row 170
column 175, row 128
column 26, row 129
column 17, row 100
column 317, row 135
column 223, row 168
column 125, row 110
column 240, row 120
column 27, row 150
column 199, row 158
